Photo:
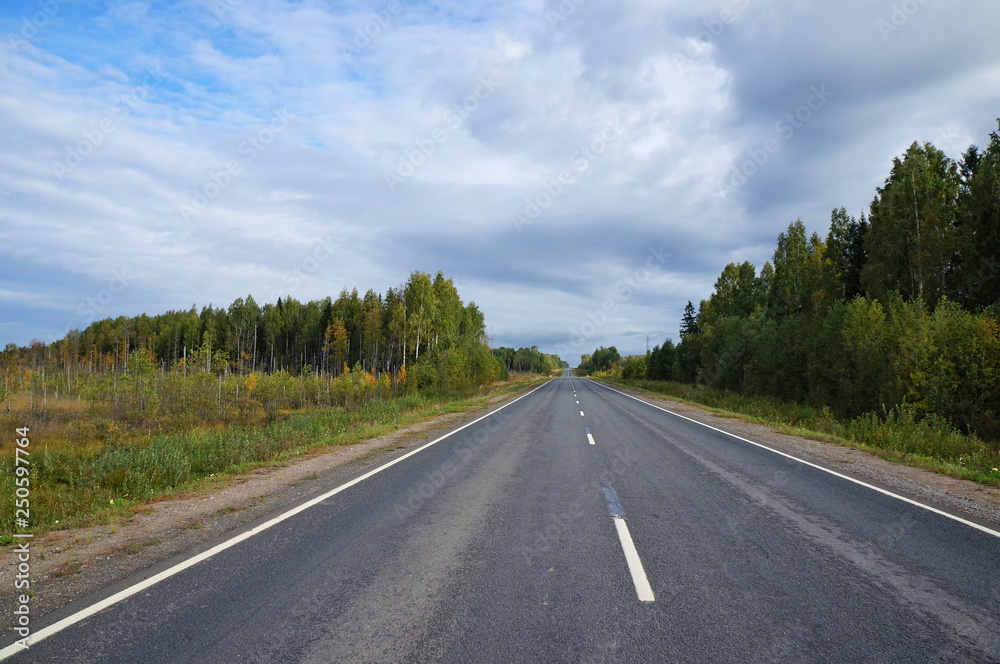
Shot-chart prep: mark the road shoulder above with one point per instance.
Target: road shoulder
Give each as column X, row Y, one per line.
column 962, row 497
column 69, row 565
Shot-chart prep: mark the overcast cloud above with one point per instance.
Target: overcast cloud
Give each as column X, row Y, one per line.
column 558, row 160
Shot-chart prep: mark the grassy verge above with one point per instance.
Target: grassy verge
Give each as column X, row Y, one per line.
column 897, row 435
column 74, row 486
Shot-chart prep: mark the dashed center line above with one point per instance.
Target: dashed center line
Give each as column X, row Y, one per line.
column 581, row 413
column 639, row 579
column 590, row 438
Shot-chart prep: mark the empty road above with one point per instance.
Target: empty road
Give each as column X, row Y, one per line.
column 575, row 524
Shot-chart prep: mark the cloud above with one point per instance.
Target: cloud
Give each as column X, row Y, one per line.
column 376, row 88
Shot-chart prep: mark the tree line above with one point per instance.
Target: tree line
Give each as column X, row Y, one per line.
column 530, row 360
column 422, row 327
column 896, row 309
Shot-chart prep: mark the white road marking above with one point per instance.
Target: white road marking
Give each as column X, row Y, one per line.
column 988, row 531
column 194, row 560
column 590, row 438
column 639, row 579
column 581, row 413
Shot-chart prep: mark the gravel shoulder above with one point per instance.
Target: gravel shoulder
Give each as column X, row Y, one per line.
column 71, row 564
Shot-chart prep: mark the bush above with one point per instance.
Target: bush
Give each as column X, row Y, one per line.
column 634, row 367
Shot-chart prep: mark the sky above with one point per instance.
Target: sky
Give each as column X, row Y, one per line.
column 580, row 169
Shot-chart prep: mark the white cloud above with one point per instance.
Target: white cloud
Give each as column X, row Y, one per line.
column 691, row 96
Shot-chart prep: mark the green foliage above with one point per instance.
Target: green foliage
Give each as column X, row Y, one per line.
column 602, row 360
column 635, row 366
column 897, row 433
column 382, row 333
column 529, row 360
column 845, row 250
column 660, row 365
column 977, row 284
column 738, row 293
column 913, row 240
column 897, row 311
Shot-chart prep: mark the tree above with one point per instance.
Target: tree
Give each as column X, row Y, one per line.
column 845, row 249
column 419, row 298
column 912, row 240
column 689, row 322
column 801, row 277
column 336, row 345
column 738, row 293
column 978, row 284
column 661, row 362
column 602, row 359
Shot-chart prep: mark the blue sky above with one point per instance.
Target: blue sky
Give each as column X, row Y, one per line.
column 581, row 169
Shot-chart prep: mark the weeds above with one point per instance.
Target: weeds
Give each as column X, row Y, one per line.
column 73, row 484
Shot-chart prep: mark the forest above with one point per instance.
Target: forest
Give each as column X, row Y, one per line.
column 891, row 315
column 529, row 360
column 133, row 408
column 380, row 334
column 247, row 362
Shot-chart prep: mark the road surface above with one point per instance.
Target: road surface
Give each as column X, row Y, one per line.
column 576, row 524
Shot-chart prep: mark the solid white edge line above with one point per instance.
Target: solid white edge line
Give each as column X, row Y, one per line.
column 204, row 555
column 973, row 524
column 639, row 579
column 590, row 439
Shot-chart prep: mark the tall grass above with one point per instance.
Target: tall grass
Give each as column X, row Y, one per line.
column 74, row 484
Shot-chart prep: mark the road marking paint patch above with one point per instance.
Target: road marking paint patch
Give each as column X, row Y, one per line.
column 639, row 579
column 590, row 438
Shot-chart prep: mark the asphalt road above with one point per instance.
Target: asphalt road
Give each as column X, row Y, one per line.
column 508, row 542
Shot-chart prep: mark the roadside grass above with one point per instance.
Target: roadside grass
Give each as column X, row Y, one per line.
column 897, row 435
column 76, row 484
